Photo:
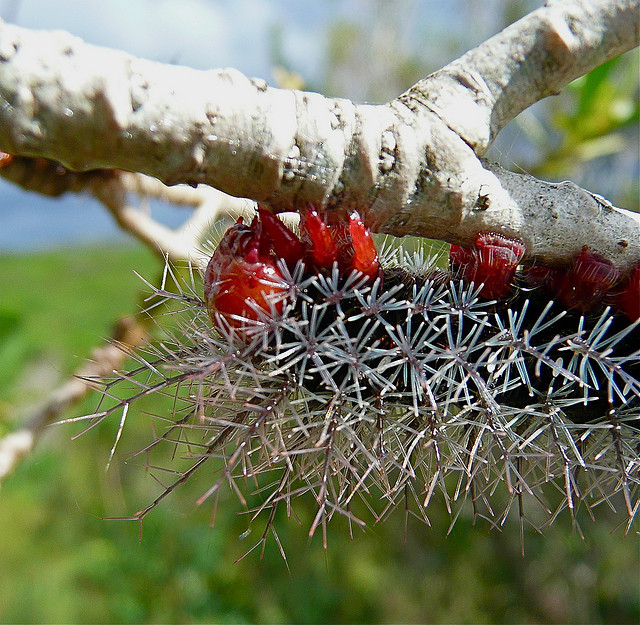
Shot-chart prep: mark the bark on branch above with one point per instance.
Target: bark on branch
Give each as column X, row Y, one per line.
column 412, row 166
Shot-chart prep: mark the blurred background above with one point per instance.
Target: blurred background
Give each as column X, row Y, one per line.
column 66, row 275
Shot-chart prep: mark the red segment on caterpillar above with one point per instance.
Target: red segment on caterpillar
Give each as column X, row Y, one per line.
column 242, row 271
column 350, row 245
column 492, row 262
column 627, row 297
column 365, row 256
column 588, row 281
column 281, row 241
column 322, row 250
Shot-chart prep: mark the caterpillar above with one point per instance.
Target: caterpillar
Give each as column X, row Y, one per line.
column 315, row 366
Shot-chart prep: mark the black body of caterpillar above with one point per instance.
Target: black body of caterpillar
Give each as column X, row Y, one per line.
column 406, row 385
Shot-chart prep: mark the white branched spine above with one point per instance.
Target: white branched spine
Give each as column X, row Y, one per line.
column 395, row 393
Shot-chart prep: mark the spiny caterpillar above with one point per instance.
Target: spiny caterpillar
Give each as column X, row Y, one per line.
column 314, row 367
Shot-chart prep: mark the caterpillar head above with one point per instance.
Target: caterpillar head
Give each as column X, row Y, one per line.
column 243, row 278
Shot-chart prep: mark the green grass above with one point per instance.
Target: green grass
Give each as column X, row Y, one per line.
column 61, row 562
column 56, row 306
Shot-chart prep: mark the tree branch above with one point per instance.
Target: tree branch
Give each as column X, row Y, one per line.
column 410, row 167
column 483, row 90
column 181, row 245
column 112, row 187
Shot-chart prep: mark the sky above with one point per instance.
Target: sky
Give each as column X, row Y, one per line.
column 198, row 33
column 218, row 33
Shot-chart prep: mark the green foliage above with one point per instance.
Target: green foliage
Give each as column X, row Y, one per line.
column 61, row 562
column 602, row 104
column 55, row 307
column 589, row 133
